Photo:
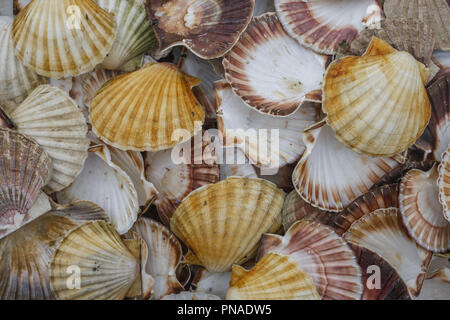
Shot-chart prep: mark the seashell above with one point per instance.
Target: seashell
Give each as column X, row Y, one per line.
column 126, row 118
column 435, row 13
column 444, row 182
column 222, row 223
column 16, row 81
column 132, row 163
column 270, row 71
column 108, row 270
column 381, row 232
column 323, row 25
column 134, row 35
column 93, row 81
column 383, row 197
column 19, row 5
column 53, row 119
column 390, row 285
column 274, row 277
column 25, row 169
column 186, row 295
column 216, row 283
column 207, row 28
column 106, row 184
column 396, row 118
column 26, row 253
column 164, row 256
column 239, row 125
column 235, row 164
column 436, row 136
column 330, row 176
column 325, row 256
column 176, row 177
column 204, row 92
column 410, row 35
column 295, row 209
column 42, row 28
column 421, row 211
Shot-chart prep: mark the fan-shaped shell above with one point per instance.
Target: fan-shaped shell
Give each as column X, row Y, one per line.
column 208, row 28
column 295, row 209
column 222, row 223
column 274, row 277
column 175, row 178
column 57, row 38
column 16, row 81
column 421, row 211
column 380, row 113
column 270, row 71
column 381, row 232
column 278, row 143
column 324, row 24
column 444, row 183
column 329, row 176
column 435, row 13
column 106, row 267
column 106, row 184
column 25, row 169
column 125, row 116
column 26, row 253
column 378, row 198
column 164, row 256
column 436, row 136
column 51, row 117
column 415, row 37
column 134, row 36
column 324, row 255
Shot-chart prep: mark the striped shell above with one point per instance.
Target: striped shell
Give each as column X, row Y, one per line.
column 274, row 277
column 222, row 223
column 125, row 116
column 381, row 113
column 57, row 38
column 444, row 183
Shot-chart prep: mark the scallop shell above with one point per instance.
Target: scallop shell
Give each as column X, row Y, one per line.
column 436, row 136
column 25, row 169
column 324, row 255
column 84, row 30
column 134, row 36
column 16, row 81
column 421, row 211
column 390, row 285
column 410, row 35
column 208, row 28
column 186, row 295
column 216, row 283
column 435, row 13
column 26, row 253
column 51, row 117
column 323, row 24
column 383, row 197
column 240, row 126
column 132, row 163
column 381, row 232
column 106, row 184
column 274, row 277
column 378, row 115
column 164, row 256
column 175, row 180
column 204, row 92
column 443, row 183
column 107, row 268
column 270, row 71
column 222, row 223
column 295, row 209
column 330, row 176
column 125, row 116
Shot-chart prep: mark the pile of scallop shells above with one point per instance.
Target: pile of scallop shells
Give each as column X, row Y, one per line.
column 93, row 205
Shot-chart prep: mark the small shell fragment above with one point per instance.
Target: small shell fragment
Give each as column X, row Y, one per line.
column 444, row 183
